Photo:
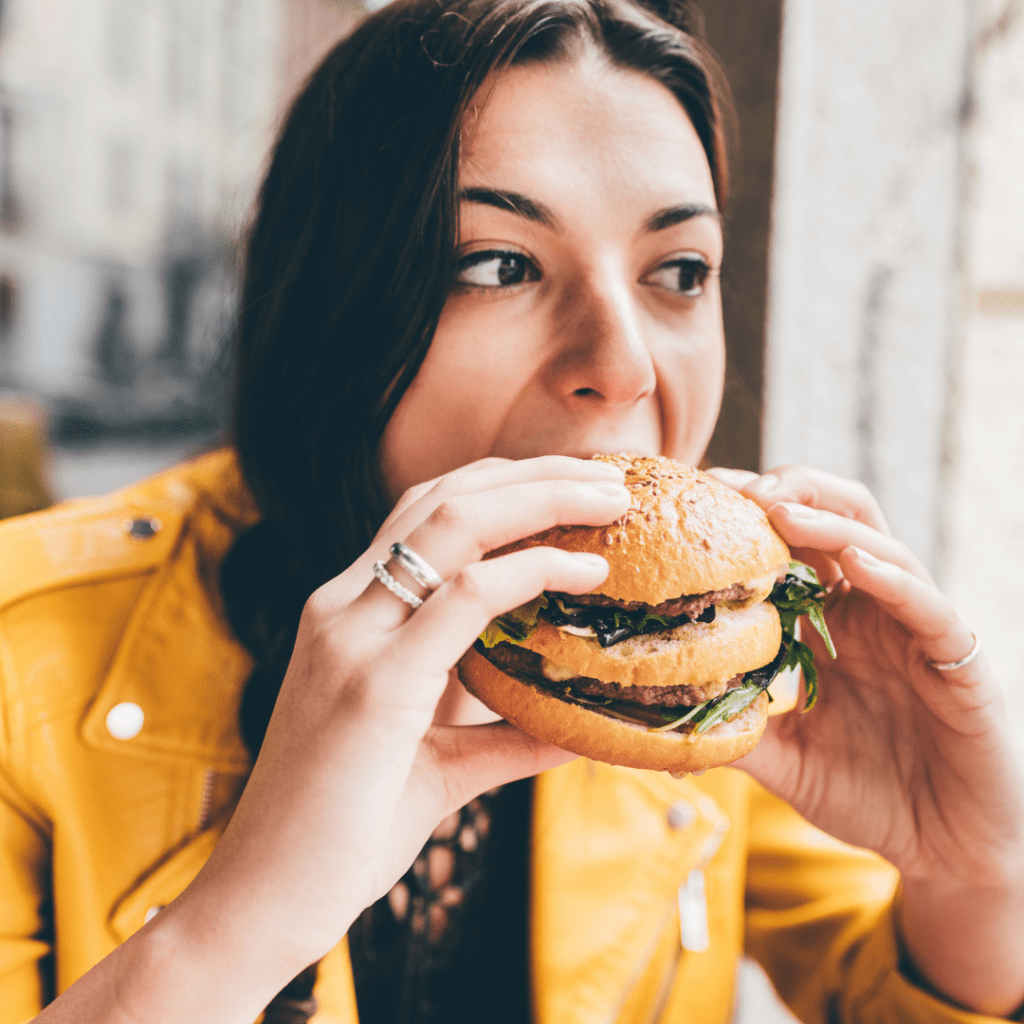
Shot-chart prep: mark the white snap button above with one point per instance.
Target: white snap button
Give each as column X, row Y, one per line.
column 152, row 912
column 681, row 814
column 124, row 721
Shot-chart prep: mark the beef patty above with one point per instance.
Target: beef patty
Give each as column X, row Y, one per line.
column 517, row 661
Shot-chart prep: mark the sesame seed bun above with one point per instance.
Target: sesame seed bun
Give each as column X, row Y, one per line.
column 685, row 533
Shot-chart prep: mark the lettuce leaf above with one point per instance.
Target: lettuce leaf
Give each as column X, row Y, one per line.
column 515, row 626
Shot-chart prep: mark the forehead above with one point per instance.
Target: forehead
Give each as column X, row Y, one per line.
column 584, row 131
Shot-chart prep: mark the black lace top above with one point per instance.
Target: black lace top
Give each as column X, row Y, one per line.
column 449, row 942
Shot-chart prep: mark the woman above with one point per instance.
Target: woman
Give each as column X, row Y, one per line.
column 488, row 243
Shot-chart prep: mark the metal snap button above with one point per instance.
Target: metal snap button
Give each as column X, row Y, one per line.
column 142, row 528
column 681, row 814
column 152, row 912
column 124, row 721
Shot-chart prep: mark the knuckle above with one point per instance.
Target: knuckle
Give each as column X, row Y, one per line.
column 452, row 514
column 318, row 608
column 467, row 585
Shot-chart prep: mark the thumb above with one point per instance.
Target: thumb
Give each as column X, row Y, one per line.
column 473, row 759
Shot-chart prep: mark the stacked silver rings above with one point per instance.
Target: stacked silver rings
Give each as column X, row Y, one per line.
column 416, row 566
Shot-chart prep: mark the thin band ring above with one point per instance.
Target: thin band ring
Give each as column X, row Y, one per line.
column 952, row 666
column 395, row 587
column 416, row 566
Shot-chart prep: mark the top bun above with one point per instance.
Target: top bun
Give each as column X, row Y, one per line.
column 684, row 533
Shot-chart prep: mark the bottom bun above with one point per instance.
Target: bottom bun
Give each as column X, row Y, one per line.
column 591, row 734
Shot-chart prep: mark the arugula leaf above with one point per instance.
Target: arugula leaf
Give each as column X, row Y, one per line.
column 707, row 715
column 728, row 706
column 514, row 626
column 801, row 593
column 690, row 713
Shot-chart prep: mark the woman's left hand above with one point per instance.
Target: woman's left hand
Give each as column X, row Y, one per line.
column 897, row 756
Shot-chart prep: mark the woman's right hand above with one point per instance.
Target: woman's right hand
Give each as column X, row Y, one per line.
column 353, row 776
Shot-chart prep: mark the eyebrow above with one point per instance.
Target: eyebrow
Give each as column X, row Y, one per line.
column 530, row 209
column 673, row 215
column 513, row 202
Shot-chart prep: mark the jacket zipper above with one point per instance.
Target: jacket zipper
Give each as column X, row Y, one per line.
column 206, row 799
column 665, row 989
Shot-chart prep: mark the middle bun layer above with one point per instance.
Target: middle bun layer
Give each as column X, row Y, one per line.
column 739, row 640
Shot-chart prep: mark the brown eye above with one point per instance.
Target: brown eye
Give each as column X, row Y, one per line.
column 684, row 275
column 495, row 269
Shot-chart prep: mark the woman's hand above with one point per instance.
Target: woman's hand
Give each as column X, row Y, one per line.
column 353, row 776
column 897, row 756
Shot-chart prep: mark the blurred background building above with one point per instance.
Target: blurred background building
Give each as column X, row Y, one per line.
column 873, row 287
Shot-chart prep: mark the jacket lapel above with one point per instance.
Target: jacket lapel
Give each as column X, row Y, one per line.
column 177, row 659
column 611, row 831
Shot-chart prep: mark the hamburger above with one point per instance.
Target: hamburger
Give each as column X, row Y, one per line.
column 667, row 665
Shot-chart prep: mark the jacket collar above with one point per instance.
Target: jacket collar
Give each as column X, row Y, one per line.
column 177, row 659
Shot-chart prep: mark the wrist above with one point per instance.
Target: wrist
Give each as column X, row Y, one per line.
column 962, row 943
column 188, row 965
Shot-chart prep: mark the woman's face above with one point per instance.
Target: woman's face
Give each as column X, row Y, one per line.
column 587, row 315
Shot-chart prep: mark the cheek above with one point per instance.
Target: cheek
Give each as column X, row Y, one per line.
column 691, row 375
column 456, row 405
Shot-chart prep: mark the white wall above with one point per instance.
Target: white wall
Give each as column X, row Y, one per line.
column 896, row 335
column 985, row 527
column 865, row 219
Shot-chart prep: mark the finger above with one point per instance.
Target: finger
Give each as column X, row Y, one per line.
column 803, row 526
column 417, row 491
column 803, row 486
column 487, row 474
column 737, row 479
column 474, row 759
column 923, row 609
column 463, row 529
column 446, row 626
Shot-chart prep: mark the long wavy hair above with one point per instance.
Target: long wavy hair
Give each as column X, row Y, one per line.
column 351, row 257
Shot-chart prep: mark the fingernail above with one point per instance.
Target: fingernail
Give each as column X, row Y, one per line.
column 590, row 561
column 798, row 511
column 768, row 482
column 863, row 556
column 607, row 469
column 611, row 489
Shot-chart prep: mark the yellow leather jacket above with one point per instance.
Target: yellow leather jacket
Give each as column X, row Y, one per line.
column 120, row 762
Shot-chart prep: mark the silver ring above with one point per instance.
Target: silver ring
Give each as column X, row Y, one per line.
column 422, row 572
column 394, row 586
column 951, row 666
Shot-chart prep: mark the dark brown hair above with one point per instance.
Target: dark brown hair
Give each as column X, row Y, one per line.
column 351, row 258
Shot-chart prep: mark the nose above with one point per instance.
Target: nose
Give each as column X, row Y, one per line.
column 603, row 356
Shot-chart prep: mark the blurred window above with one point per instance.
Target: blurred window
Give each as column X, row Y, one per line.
column 8, row 306
column 120, row 178
column 183, row 194
column 184, row 53
column 123, row 32
column 10, row 208
column 236, row 67
column 8, row 311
